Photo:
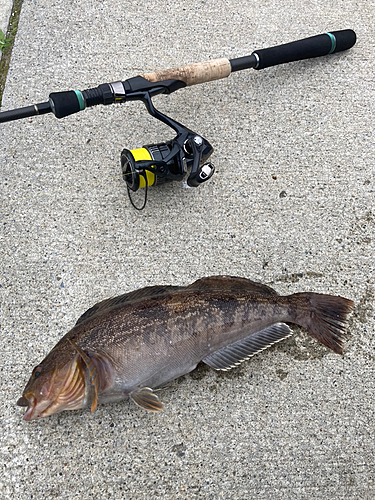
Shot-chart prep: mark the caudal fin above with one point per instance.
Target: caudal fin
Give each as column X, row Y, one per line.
column 324, row 316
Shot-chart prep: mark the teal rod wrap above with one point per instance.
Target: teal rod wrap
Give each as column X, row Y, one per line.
column 81, row 100
column 333, row 41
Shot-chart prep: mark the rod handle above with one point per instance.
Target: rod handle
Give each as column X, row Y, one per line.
column 193, row 74
column 314, row 46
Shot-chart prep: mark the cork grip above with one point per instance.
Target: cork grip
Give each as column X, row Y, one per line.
column 193, row 74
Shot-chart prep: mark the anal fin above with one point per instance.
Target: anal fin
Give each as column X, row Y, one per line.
column 147, row 399
column 234, row 354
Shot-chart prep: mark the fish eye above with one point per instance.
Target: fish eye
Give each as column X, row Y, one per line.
column 36, row 374
column 37, row 371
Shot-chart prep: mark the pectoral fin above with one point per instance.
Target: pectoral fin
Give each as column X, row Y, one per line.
column 234, row 354
column 146, row 398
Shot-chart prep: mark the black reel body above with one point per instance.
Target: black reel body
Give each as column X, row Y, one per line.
column 156, row 164
column 182, row 158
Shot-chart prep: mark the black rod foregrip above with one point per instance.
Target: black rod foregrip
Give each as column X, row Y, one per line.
column 315, row 46
column 72, row 101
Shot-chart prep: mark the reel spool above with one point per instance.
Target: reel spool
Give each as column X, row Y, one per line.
column 133, row 178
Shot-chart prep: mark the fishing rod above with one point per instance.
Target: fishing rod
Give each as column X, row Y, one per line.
column 185, row 157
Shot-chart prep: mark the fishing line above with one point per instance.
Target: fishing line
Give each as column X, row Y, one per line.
column 145, row 196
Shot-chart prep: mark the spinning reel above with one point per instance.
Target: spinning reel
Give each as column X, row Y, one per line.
column 183, row 158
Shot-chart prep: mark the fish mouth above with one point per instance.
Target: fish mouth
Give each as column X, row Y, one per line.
column 29, row 414
column 34, row 409
column 30, row 402
column 66, row 393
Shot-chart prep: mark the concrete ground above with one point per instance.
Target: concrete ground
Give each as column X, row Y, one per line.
column 291, row 205
column 5, row 12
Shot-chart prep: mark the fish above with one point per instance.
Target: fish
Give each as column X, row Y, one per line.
column 126, row 346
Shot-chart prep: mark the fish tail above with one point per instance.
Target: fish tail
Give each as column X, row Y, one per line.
column 323, row 316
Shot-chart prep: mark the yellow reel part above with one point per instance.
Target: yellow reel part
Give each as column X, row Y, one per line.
column 143, row 154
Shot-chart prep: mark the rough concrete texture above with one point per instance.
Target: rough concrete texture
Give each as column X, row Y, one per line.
column 5, row 10
column 291, row 205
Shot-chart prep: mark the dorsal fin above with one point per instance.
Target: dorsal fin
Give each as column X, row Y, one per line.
column 113, row 302
column 231, row 284
column 234, row 354
column 224, row 284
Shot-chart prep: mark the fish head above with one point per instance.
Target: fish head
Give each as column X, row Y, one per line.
column 57, row 384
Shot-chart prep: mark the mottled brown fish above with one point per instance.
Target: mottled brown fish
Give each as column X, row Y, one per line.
column 128, row 345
